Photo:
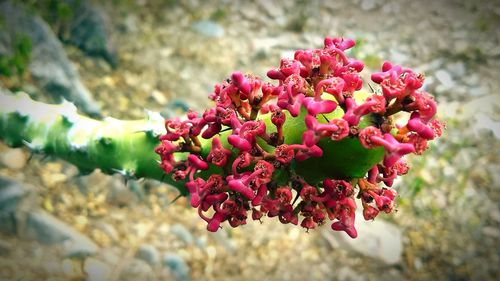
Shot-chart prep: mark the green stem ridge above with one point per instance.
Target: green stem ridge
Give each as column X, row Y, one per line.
column 111, row 145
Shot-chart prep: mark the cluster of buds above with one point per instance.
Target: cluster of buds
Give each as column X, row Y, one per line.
column 241, row 155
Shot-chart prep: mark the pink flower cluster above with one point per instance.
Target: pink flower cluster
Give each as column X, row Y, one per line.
column 246, row 170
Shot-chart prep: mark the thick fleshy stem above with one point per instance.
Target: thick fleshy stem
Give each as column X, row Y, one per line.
column 111, row 145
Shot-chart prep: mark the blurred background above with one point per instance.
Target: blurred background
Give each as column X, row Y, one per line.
column 118, row 58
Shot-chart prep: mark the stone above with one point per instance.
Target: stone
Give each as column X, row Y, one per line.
column 182, row 233
column 177, row 266
column 223, row 238
column 444, row 78
column 494, row 172
column 399, row 56
column 11, row 193
column 109, row 230
column 12, row 196
column 175, row 108
column 5, row 248
column 378, row 239
column 148, row 253
column 266, row 44
column 137, row 270
column 346, row 273
column 457, row 69
column 130, row 24
column 119, row 194
column 208, row 28
column 477, row 91
column 429, row 67
column 96, row 270
column 486, row 123
column 79, row 247
column 89, row 30
column 110, row 255
column 368, row 5
column 14, row 158
column 159, row 97
column 71, row 267
column 491, row 231
column 49, row 66
column 47, row 229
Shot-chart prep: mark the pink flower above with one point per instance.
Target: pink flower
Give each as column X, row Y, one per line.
column 340, row 43
column 308, row 223
column 373, row 104
column 418, row 126
column 241, row 82
column 284, row 154
column 261, row 172
column 307, row 193
column 239, row 142
column 197, row 163
column 333, row 86
column 193, row 188
column 341, row 131
column 284, row 194
column 239, row 186
column 319, row 107
column 214, row 223
column 218, row 154
column 394, row 150
column 369, row 212
column 346, row 218
column 264, row 172
column 425, row 104
column 365, row 136
column 278, row 117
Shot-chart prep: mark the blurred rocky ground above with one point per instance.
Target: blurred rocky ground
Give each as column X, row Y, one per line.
column 166, row 56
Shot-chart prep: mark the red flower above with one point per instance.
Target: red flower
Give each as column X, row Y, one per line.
column 218, row 154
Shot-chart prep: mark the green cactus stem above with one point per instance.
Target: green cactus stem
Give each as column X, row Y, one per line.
column 111, row 145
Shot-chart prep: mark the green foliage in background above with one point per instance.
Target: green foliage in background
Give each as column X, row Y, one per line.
column 16, row 62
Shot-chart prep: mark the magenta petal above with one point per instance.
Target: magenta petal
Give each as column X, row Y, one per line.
column 294, row 108
column 386, row 66
column 356, row 65
column 415, row 124
column 311, row 122
column 241, row 82
column 193, row 188
column 309, row 138
column 276, row 74
column 260, row 194
column 211, row 130
column 238, row 186
column 216, row 198
column 378, row 77
column 350, row 230
column 197, row 162
column 214, row 223
column 239, row 143
column 315, row 151
column 319, row 107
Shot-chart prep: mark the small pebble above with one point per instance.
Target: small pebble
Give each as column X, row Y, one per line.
column 367, row 5
column 96, row 270
column 148, row 253
column 444, row 78
column 14, row 158
column 208, row 29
